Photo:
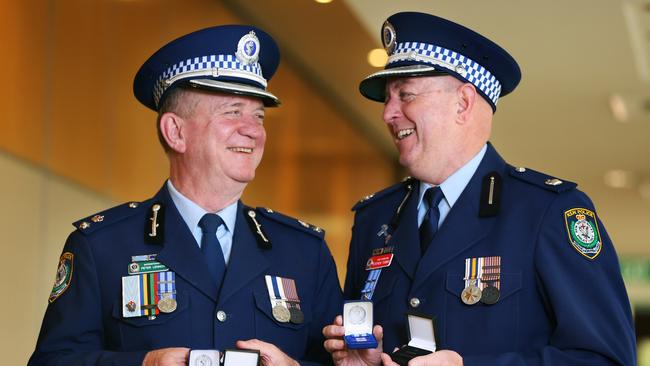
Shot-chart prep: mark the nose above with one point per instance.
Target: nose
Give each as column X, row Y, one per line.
column 391, row 109
column 252, row 128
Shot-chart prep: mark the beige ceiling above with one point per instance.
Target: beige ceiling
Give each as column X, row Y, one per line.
column 574, row 56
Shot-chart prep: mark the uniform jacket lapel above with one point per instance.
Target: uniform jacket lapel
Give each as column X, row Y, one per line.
column 461, row 230
column 406, row 238
column 180, row 251
column 246, row 259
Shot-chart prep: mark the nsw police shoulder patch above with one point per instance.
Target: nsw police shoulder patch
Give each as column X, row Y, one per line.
column 63, row 275
column 582, row 228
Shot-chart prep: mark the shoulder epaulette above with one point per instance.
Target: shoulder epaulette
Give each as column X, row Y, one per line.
column 291, row 222
column 107, row 217
column 365, row 201
column 542, row 180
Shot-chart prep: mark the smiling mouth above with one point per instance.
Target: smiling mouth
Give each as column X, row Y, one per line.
column 245, row 150
column 401, row 134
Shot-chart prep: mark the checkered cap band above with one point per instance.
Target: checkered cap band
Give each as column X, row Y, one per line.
column 453, row 61
column 212, row 65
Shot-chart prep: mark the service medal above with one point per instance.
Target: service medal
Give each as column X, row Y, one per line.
column 471, row 295
column 281, row 314
column 167, row 305
column 296, row 315
column 490, row 295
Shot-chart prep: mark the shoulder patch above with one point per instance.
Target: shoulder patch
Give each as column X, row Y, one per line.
column 367, row 200
column 63, row 275
column 582, row 228
column 542, row 180
column 107, row 217
column 292, row 222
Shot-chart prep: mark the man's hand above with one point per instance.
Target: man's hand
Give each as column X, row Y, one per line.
column 271, row 355
column 167, row 357
column 440, row 358
column 343, row 356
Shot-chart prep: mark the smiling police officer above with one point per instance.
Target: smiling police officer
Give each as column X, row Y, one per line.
column 515, row 265
column 193, row 267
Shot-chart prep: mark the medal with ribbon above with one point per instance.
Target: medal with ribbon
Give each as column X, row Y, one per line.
column 491, row 280
column 278, row 298
column 473, row 270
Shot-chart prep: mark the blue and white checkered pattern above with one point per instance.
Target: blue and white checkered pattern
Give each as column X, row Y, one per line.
column 212, row 65
column 452, row 61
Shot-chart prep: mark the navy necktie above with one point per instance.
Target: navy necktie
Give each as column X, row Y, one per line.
column 211, row 247
column 429, row 226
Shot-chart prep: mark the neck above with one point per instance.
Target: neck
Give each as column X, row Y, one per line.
column 211, row 194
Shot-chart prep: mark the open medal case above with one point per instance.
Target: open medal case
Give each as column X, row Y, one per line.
column 357, row 320
column 229, row 357
column 422, row 338
column 241, row 357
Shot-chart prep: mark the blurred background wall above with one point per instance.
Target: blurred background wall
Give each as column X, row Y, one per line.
column 73, row 139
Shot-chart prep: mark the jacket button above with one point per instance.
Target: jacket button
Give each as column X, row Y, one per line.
column 415, row 302
column 221, row 316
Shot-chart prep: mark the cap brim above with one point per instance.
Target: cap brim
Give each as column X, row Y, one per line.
column 373, row 87
column 268, row 99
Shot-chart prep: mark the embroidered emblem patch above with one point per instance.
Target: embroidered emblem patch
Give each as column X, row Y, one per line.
column 582, row 227
column 63, row 275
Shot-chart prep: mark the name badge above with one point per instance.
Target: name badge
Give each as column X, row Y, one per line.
column 379, row 261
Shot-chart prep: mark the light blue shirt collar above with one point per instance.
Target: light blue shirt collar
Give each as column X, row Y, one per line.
column 452, row 187
column 192, row 214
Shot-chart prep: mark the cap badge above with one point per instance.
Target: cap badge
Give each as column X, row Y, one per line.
column 248, row 49
column 388, row 37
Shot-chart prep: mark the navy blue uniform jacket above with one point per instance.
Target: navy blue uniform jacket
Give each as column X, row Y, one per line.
column 84, row 325
column 557, row 307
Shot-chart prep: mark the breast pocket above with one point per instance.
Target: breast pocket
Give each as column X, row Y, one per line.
column 165, row 330
column 289, row 337
column 483, row 328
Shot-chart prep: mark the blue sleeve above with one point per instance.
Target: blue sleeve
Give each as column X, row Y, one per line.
column 72, row 329
column 586, row 298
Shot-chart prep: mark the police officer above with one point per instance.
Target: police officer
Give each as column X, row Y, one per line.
column 194, row 267
column 514, row 265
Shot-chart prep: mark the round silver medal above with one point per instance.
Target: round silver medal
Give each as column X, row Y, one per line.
column 167, row 305
column 357, row 315
column 281, row 314
column 203, row 360
column 471, row 295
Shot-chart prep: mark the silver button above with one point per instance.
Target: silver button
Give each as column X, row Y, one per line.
column 415, row 302
column 520, row 169
column 553, row 182
column 221, row 316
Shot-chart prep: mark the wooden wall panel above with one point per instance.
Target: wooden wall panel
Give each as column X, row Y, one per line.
column 23, row 77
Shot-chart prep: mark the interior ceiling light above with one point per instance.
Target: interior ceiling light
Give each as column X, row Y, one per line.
column 323, row 1
column 618, row 178
column 377, row 57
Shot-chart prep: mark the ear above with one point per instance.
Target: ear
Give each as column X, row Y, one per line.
column 171, row 128
column 466, row 101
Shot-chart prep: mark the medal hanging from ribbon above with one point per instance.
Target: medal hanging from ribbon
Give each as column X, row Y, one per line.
column 280, row 309
column 491, row 280
column 148, row 294
column 473, row 270
column 293, row 301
